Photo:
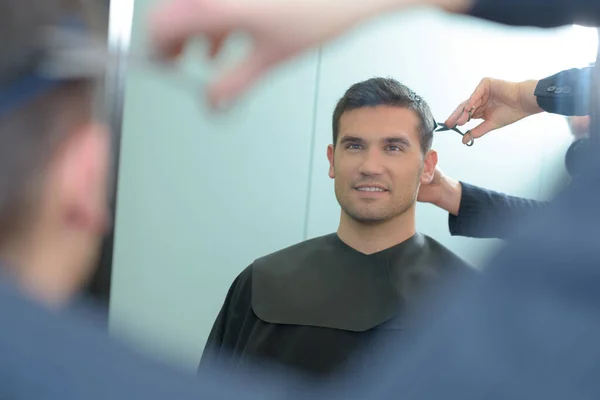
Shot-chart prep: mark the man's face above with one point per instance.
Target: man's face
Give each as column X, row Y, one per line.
column 75, row 207
column 377, row 163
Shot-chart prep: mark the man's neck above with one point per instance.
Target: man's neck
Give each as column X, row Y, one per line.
column 372, row 238
column 38, row 278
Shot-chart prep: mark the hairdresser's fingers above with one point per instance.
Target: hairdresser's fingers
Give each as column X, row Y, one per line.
column 456, row 114
column 216, row 45
column 175, row 22
column 476, row 105
column 472, row 107
column 480, row 95
column 173, row 52
column 234, row 82
column 480, row 130
column 465, row 116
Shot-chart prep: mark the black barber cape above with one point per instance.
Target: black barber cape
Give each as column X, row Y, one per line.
column 319, row 305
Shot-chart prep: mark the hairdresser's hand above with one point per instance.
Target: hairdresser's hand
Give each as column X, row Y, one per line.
column 442, row 191
column 279, row 29
column 498, row 103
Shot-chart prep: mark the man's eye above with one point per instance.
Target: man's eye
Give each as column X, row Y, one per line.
column 353, row 146
column 394, row 148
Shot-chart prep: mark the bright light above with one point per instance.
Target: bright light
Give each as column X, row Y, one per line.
column 587, row 43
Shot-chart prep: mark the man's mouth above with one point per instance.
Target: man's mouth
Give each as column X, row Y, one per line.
column 371, row 188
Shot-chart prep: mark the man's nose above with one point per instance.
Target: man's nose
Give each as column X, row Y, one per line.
column 372, row 163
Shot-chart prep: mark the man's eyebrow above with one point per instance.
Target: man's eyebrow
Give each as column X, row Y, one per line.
column 351, row 139
column 397, row 140
column 387, row 140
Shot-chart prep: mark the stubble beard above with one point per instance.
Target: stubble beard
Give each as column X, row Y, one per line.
column 374, row 214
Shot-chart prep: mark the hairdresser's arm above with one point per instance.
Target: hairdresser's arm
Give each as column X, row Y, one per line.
column 565, row 93
column 499, row 103
column 476, row 212
column 484, row 213
column 279, row 30
column 282, row 29
column 540, row 13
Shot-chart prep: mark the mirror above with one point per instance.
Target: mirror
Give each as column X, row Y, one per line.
column 200, row 196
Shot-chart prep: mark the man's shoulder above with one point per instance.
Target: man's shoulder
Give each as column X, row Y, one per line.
column 89, row 361
column 299, row 251
column 286, row 259
column 444, row 256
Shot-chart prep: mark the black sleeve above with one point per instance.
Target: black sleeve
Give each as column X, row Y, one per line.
column 487, row 214
column 539, row 13
column 221, row 326
column 565, row 93
column 215, row 337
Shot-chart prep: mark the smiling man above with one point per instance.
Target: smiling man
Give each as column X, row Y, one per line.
column 322, row 304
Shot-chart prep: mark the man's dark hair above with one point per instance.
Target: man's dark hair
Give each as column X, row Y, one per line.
column 385, row 92
column 33, row 127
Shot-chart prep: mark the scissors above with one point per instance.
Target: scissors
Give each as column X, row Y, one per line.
column 441, row 127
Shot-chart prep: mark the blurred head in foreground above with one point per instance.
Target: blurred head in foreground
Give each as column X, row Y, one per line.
column 54, row 159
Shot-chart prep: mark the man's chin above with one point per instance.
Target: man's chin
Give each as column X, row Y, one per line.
column 369, row 218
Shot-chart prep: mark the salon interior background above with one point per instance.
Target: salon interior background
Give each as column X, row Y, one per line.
column 202, row 195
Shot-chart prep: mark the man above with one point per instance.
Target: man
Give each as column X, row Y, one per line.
column 321, row 304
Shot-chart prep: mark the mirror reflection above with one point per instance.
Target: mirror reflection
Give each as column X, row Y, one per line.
column 301, row 225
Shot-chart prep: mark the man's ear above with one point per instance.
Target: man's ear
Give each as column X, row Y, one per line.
column 330, row 157
column 431, row 160
column 82, row 176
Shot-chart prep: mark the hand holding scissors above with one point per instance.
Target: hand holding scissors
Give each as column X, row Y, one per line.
column 498, row 103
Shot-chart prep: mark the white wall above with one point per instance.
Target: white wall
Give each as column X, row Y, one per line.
column 200, row 195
